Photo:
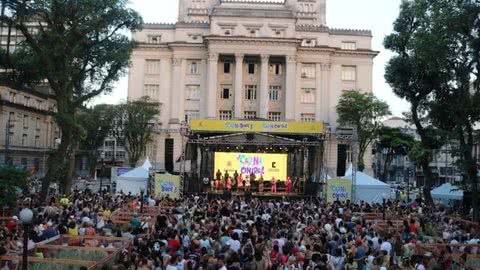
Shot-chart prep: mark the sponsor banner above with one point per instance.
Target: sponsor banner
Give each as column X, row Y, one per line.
column 339, row 190
column 266, row 165
column 167, row 185
column 205, row 125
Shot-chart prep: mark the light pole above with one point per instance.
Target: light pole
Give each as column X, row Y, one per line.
column 26, row 216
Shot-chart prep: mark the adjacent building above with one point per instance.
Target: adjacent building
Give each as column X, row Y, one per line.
column 28, row 131
column 237, row 60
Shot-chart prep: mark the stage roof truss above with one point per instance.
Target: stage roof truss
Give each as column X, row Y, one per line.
column 260, row 139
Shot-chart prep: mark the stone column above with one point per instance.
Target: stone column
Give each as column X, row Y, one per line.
column 238, row 85
column 325, row 82
column 264, row 87
column 318, row 93
column 290, row 96
column 176, row 89
column 212, row 85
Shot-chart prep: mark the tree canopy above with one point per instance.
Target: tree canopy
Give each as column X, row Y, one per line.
column 436, row 67
column 138, row 120
column 365, row 113
column 11, row 181
column 80, row 48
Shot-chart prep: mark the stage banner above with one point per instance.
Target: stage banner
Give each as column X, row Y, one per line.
column 266, row 165
column 167, row 185
column 339, row 190
column 200, row 125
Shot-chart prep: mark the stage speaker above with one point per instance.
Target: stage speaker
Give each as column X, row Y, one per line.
column 227, row 195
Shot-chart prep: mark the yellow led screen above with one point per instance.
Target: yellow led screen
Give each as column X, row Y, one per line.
column 266, row 165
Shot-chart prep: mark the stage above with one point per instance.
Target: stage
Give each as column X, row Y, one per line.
column 261, row 195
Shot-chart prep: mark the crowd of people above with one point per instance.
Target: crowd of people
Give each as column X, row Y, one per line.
column 204, row 233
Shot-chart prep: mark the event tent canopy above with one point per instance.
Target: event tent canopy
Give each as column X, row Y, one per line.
column 447, row 192
column 133, row 181
column 367, row 188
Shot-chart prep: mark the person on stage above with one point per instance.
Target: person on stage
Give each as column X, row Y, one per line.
column 229, row 184
column 239, row 182
column 296, row 184
column 274, row 185
column 288, row 184
column 260, row 183
column 218, row 176
column 247, row 184
column 234, row 179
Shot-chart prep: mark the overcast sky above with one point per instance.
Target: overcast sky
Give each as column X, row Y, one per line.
column 376, row 15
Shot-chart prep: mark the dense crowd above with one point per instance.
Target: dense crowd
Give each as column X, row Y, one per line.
column 201, row 233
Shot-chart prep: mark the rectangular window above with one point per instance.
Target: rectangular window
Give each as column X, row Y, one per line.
column 308, row 71
column 251, row 68
column 193, row 92
column 348, row 45
column 153, row 66
column 275, row 69
column 193, row 67
column 274, row 116
column 189, row 115
column 226, row 67
column 307, row 117
column 274, row 92
column 12, row 97
column 349, row 73
column 26, row 101
column 249, row 114
column 250, row 92
column 109, row 155
column 25, row 121
column 120, row 155
column 154, row 39
column 24, row 139
column 37, row 123
column 151, row 91
column 225, row 92
column 109, row 143
column 37, row 141
column 307, row 95
column 225, row 115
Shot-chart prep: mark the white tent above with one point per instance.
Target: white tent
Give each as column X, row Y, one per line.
column 133, row 181
column 446, row 193
column 367, row 188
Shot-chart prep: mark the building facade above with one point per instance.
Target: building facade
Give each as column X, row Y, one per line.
column 444, row 163
column 237, row 59
column 28, row 131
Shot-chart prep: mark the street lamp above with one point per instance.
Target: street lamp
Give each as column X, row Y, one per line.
column 26, row 216
column 142, row 191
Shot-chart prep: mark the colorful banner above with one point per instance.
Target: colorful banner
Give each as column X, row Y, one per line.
column 200, row 125
column 339, row 190
column 167, row 185
column 266, row 165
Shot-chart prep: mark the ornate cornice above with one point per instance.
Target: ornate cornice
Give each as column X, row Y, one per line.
column 332, row 31
column 249, row 40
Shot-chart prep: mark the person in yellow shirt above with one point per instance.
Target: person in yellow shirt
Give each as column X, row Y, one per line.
column 72, row 229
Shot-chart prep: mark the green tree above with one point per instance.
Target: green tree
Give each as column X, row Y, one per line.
column 11, row 180
column 365, row 113
column 96, row 123
column 392, row 142
column 138, row 119
column 80, row 48
column 436, row 69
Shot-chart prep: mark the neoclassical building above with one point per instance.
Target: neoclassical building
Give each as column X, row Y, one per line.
column 238, row 60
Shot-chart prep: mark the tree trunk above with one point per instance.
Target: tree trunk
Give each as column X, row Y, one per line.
column 428, row 182
column 58, row 169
